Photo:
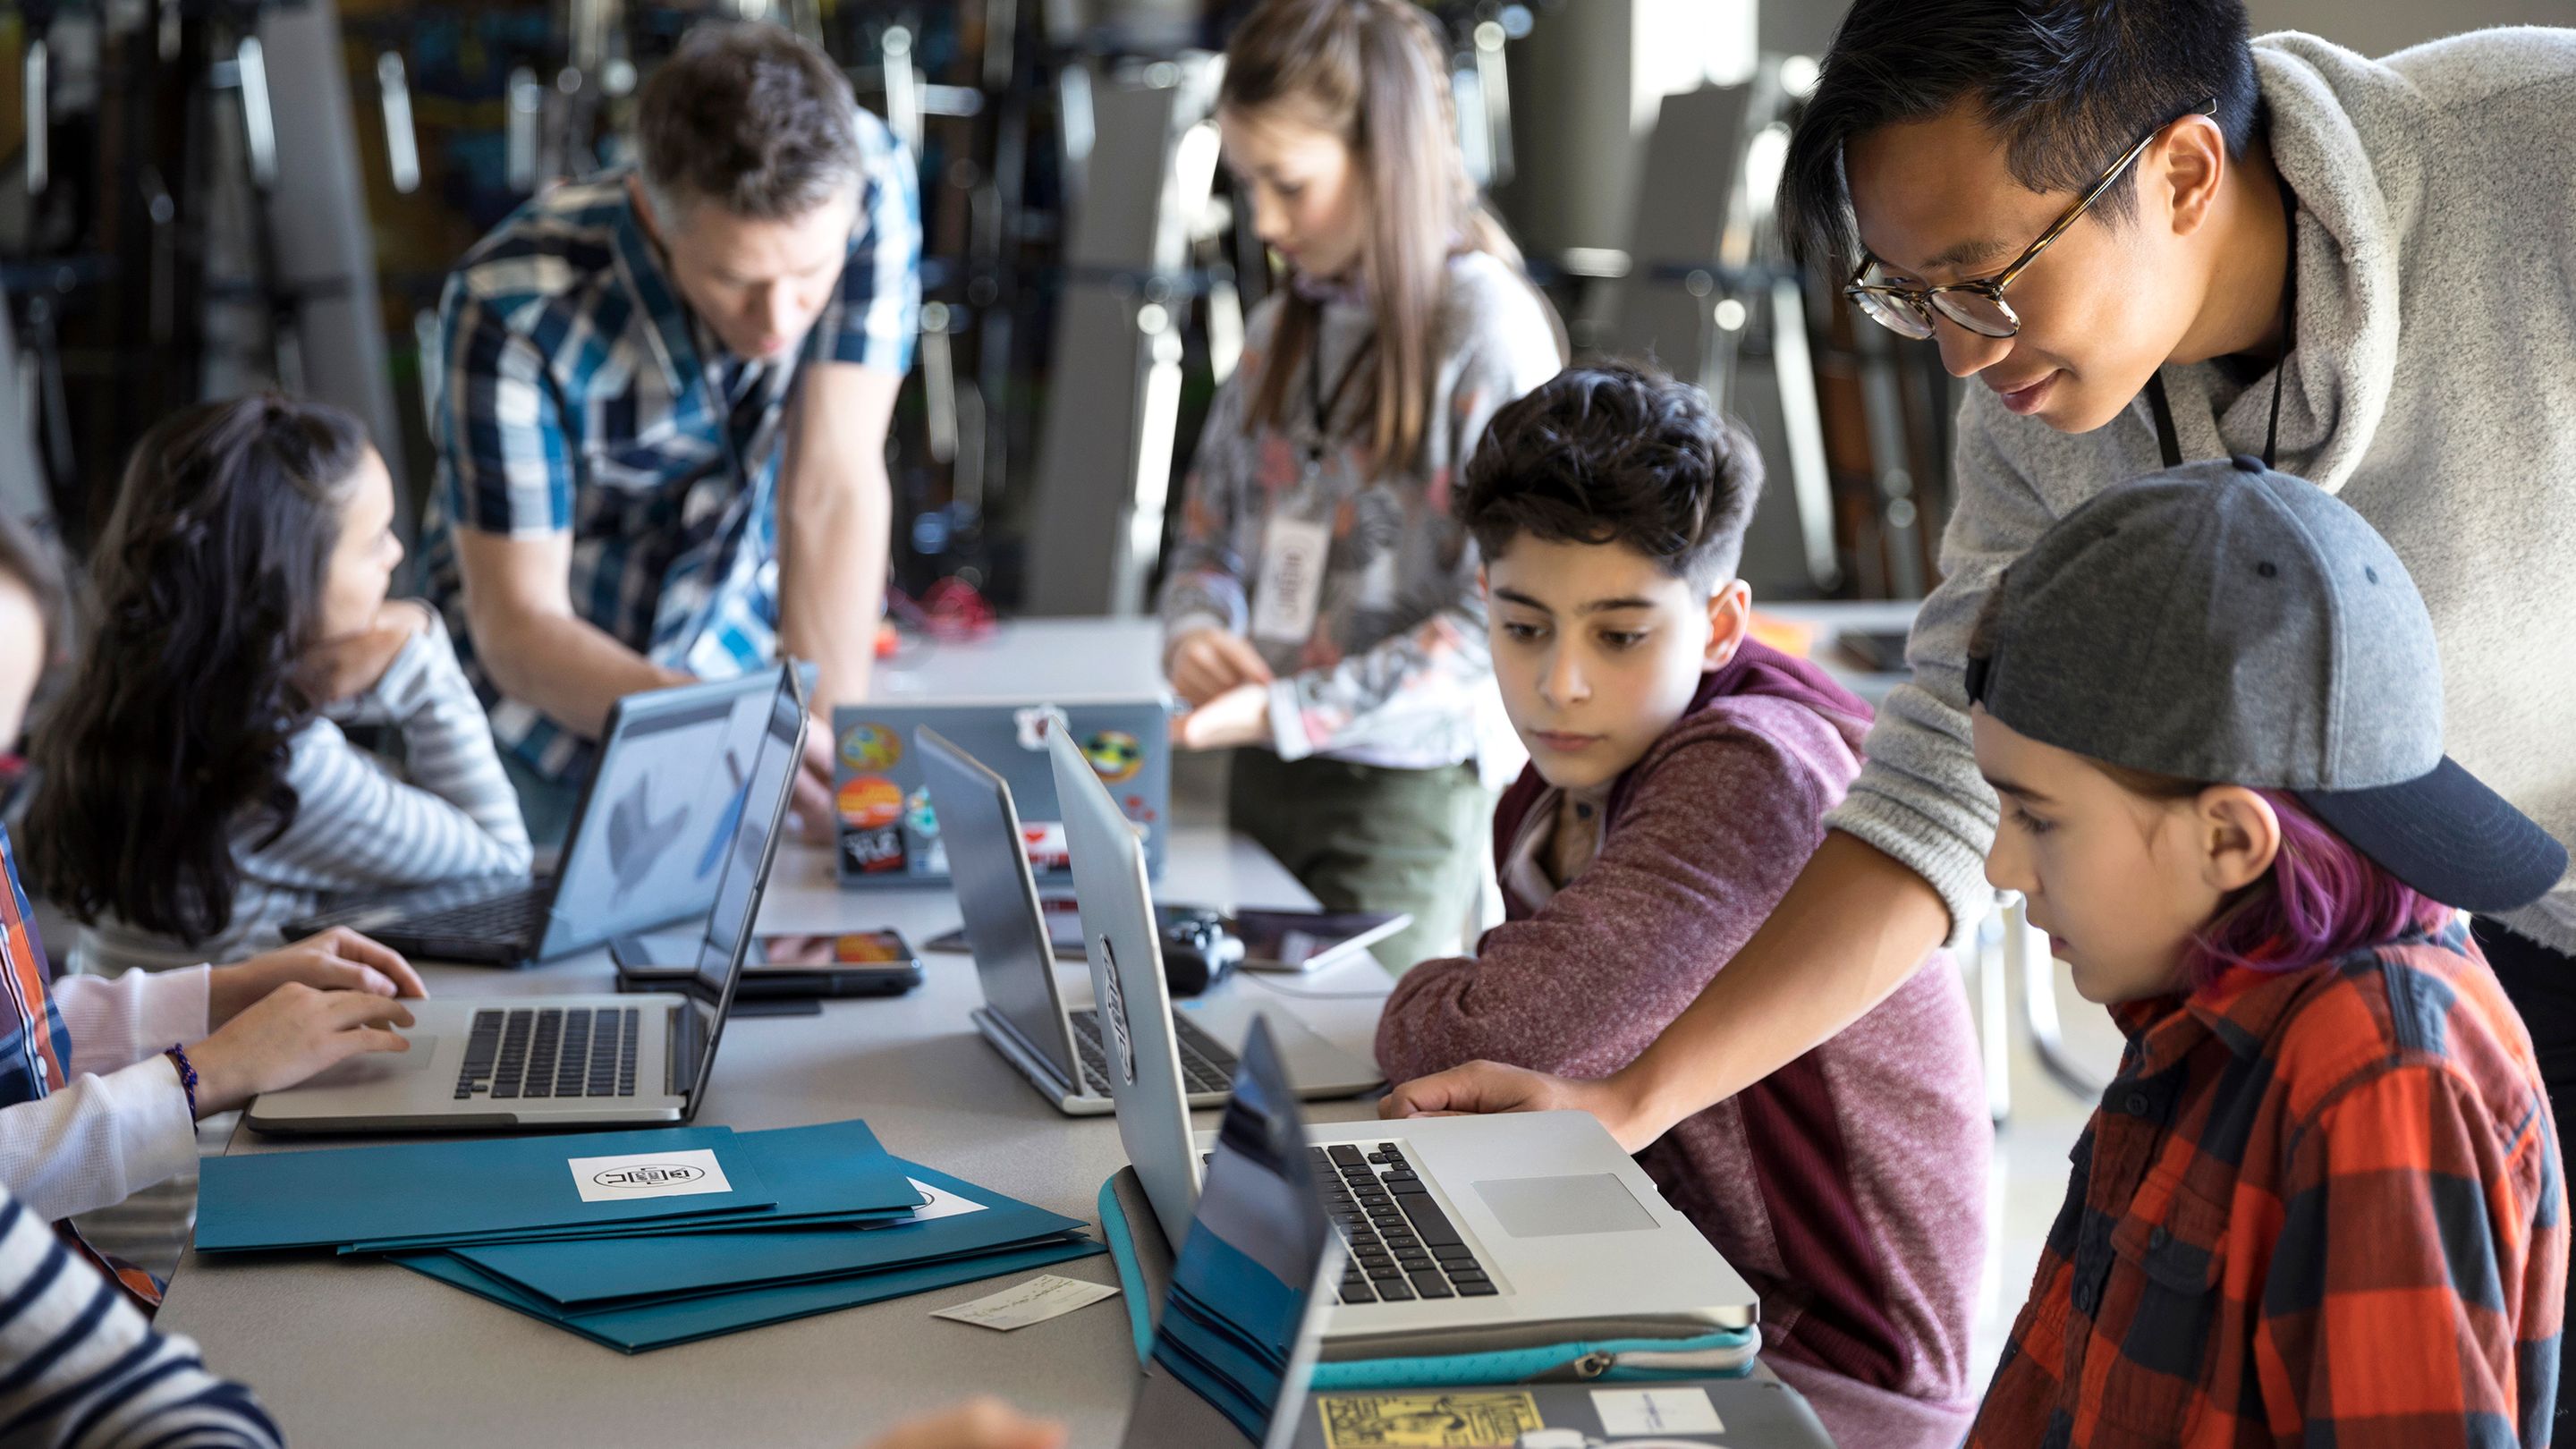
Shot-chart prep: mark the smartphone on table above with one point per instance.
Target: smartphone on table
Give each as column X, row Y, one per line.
column 849, row 963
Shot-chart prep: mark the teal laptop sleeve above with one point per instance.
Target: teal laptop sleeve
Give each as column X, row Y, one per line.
column 325, row 1197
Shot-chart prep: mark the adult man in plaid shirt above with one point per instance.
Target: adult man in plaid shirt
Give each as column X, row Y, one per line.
column 663, row 396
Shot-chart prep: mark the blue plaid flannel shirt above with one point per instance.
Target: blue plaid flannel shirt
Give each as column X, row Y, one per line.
column 575, row 391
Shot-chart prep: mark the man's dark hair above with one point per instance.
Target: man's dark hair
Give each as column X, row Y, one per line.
column 749, row 117
column 2069, row 86
column 1616, row 452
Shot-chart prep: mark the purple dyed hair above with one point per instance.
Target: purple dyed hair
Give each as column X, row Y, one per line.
column 2321, row 899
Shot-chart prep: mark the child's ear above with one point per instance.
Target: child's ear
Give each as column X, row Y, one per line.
column 1730, row 615
column 2240, row 836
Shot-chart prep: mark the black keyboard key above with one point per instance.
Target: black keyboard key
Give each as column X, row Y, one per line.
column 1346, row 1155
column 1360, row 1294
column 1476, row 1290
column 1398, row 1291
column 1384, row 1270
column 1463, row 1275
column 1428, row 1219
column 1431, row 1285
column 1454, row 1253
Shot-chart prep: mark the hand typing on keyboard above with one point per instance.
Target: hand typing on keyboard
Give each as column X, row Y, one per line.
column 288, row 1036
column 338, row 959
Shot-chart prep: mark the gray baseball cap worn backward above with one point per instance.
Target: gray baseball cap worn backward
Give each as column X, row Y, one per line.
column 2221, row 621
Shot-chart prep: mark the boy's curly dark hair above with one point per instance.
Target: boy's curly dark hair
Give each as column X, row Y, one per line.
column 1617, row 452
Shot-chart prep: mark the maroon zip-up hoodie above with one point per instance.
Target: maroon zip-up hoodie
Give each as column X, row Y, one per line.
column 1849, row 1187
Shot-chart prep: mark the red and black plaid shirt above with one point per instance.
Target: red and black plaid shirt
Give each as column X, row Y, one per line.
column 2322, row 1207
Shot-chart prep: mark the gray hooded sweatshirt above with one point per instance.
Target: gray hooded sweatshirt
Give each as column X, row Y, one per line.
column 2431, row 384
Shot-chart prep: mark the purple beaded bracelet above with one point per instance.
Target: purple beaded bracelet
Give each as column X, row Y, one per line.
column 187, row 1077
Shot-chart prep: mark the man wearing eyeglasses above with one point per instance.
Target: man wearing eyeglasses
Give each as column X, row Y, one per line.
column 2144, row 239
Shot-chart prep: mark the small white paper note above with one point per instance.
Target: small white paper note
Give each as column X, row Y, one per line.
column 1656, row 1411
column 1039, row 1299
column 938, row 1204
column 633, row 1175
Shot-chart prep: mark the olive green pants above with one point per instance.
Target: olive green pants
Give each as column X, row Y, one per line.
column 1369, row 838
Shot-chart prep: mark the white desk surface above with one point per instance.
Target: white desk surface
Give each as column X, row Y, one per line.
column 366, row 1353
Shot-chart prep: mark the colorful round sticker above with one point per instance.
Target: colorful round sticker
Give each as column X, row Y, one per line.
column 871, row 802
column 1114, row 754
column 918, row 817
column 870, row 747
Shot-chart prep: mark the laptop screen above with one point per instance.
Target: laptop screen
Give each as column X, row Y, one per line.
column 754, row 813
column 660, row 807
column 989, row 869
column 1235, row 1343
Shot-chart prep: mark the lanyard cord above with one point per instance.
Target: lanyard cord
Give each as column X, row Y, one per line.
column 1326, row 406
column 2168, row 442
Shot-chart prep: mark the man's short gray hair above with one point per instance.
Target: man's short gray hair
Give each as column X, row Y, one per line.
column 750, row 117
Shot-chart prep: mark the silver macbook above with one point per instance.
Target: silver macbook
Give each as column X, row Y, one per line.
column 655, row 813
column 1244, row 1307
column 574, row 1061
column 1469, row 1234
column 1054, row 1043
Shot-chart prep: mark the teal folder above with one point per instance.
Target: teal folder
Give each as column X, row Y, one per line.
column 836, row 1173
column 636, row 1328
column 329, row 1196
column 590, row 1271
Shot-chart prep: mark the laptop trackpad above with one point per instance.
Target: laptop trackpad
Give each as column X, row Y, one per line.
column 1555, row 1207
column 371, row 1067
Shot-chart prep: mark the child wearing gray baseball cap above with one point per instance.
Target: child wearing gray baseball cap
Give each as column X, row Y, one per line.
column 2322, row 1198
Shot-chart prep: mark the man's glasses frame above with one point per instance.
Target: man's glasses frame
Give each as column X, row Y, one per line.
column 1979, row 305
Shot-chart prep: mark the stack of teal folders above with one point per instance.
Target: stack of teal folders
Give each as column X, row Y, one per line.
column 642, row 1239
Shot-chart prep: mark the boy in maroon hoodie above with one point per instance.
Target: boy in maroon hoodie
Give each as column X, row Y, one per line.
column 1679, row 776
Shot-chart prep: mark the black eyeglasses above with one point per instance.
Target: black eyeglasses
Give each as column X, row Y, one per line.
column 1979, row 306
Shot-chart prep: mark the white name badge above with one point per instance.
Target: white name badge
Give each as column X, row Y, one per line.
column 1292, row 580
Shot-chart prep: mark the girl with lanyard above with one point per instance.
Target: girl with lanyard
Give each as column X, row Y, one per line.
column 1321, row 611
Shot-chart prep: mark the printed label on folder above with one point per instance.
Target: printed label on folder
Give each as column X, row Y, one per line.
column 936, row 1204
column 1426, row 1421
column 632, row 1175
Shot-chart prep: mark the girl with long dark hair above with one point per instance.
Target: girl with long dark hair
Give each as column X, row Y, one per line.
column 198, row 790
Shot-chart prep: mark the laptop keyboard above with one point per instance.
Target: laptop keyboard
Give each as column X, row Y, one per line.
column 1401, row 1245
column 551, row 1052
column 513, row 917
column 1205, row 1065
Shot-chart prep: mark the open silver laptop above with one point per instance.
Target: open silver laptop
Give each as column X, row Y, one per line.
column 575, row 1061
column 1057, row 1045
column 643, row 850
column 1472, row 1233
column 1249, row 1289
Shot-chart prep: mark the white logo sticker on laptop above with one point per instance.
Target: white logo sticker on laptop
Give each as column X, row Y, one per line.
column 632, row 1175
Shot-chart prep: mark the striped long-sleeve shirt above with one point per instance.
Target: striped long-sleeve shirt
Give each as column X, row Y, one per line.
column 81, row 1368
column 446, row 812
column 2321, row 1206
